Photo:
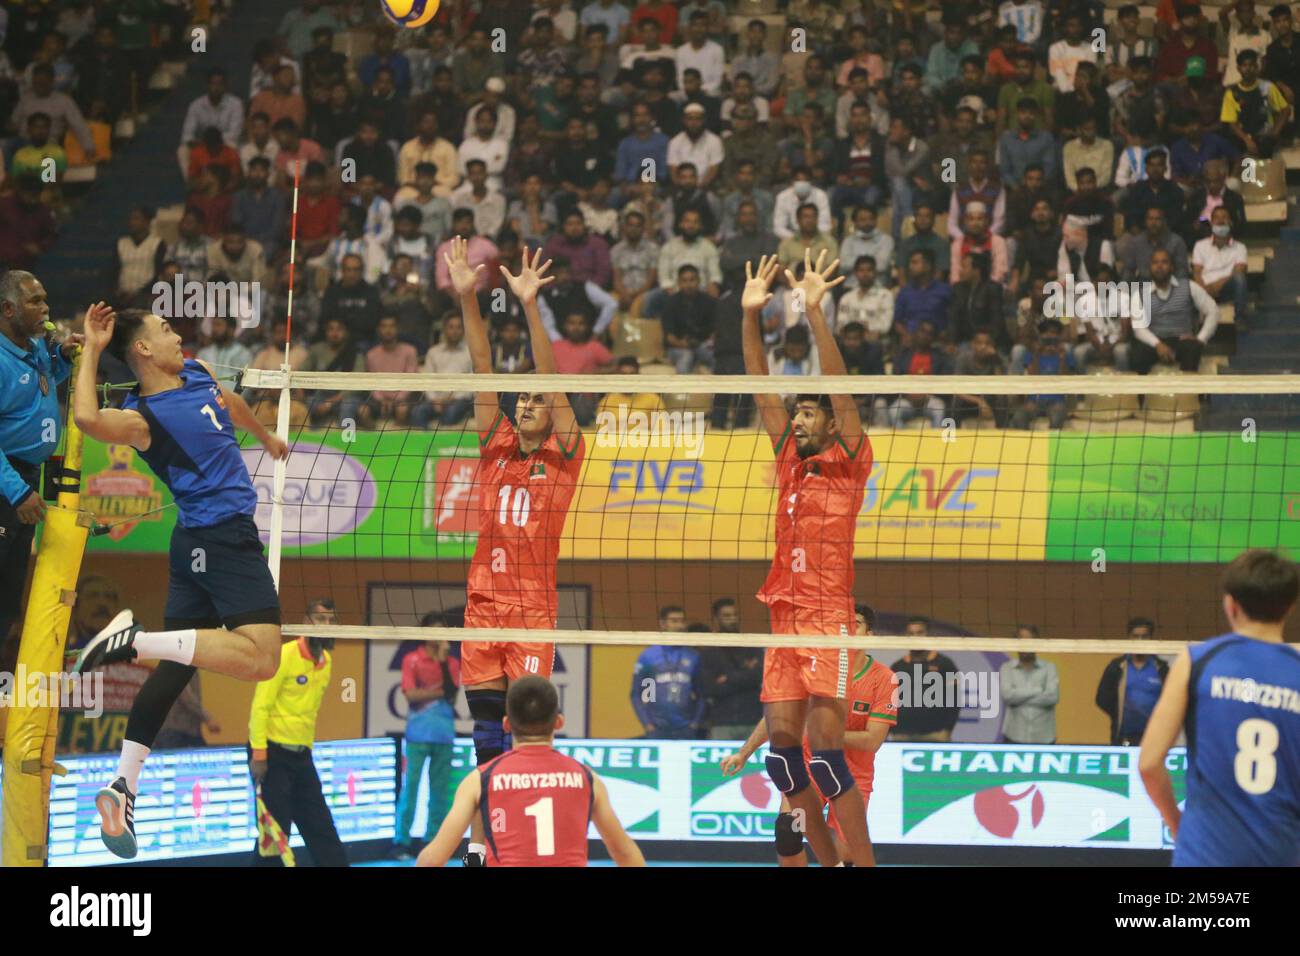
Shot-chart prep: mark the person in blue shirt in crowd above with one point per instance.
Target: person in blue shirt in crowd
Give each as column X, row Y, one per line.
column 666, row 692
column 644, row 149
column 32, row 366
column 1130, row 686
column 1049, row 355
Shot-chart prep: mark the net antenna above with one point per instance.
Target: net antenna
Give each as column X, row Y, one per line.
column 285, row 402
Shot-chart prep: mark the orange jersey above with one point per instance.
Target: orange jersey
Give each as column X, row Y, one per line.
column 870, row 697
column 523, row 504
column 818, row 501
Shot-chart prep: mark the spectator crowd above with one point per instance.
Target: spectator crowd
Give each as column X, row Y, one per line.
column 956, row 160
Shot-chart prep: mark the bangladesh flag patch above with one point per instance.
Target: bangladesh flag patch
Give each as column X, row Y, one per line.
column 538, row 471
column 860, row 707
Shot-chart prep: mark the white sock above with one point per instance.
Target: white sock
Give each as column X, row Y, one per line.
column 175, row 646
column 478, row 848
column 131, row 763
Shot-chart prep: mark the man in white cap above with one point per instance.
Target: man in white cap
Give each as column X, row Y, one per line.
column 1082, row 253
column 697, row 146
column 493, row 91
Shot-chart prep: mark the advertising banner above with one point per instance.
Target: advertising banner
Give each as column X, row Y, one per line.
column 196, row 803
column 413, row 494
column 925, row 794
column 1180, row 498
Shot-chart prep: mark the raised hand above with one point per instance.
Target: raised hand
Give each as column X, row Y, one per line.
column 100, row 319
column 531, row 279
column 463, row 277
column 815, row 282
column 757, row 284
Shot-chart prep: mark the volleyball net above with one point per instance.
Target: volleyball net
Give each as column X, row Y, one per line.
column 1073, row 503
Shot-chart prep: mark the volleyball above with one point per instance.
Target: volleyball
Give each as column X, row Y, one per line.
column 410, row 13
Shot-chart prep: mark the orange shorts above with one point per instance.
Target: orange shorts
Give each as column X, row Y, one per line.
column 797, row 673
column 485, row 661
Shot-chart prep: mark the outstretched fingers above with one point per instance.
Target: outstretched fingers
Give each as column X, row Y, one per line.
column 821, row 256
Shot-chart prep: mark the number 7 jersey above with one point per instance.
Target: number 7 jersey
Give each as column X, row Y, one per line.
column 194, row 450
column 523, row 504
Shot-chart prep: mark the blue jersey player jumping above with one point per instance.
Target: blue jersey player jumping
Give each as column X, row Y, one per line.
column 1238, row 695
column 223, row 613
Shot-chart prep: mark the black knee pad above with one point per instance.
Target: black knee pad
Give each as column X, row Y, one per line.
column 486, row 704
column 830, row 771
column 786, row 770
column 789, row 842
column 488, row 708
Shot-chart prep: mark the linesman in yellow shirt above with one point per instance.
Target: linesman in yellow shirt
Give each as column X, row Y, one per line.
column 281, row 731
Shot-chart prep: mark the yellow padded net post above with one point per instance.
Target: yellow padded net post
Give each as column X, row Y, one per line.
column 32, row 730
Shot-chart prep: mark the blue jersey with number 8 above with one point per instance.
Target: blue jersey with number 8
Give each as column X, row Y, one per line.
column 194, row 450
column 1243, row 755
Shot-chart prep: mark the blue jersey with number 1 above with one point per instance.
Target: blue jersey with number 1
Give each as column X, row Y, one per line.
column 1243, row 755
column 194, row 450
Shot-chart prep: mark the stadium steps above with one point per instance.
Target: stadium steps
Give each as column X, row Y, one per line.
column 1272, row 343
column 144, row 171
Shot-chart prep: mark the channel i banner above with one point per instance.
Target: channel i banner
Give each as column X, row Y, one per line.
column 924, row 794
column 962, row 795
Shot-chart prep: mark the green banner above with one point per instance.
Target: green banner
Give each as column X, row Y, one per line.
column 411, row 494
column 346, row 495
column 1180, row 498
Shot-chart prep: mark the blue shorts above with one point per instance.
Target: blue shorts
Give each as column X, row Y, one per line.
column 219, row 576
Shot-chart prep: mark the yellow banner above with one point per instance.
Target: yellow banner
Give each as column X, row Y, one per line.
column 931, row 494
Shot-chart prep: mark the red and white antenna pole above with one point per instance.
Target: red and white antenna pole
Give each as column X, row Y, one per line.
column 286, row 401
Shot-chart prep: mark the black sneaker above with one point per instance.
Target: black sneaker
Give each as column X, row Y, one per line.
column 473, row 858
column 114, row 644
column 116, row 806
